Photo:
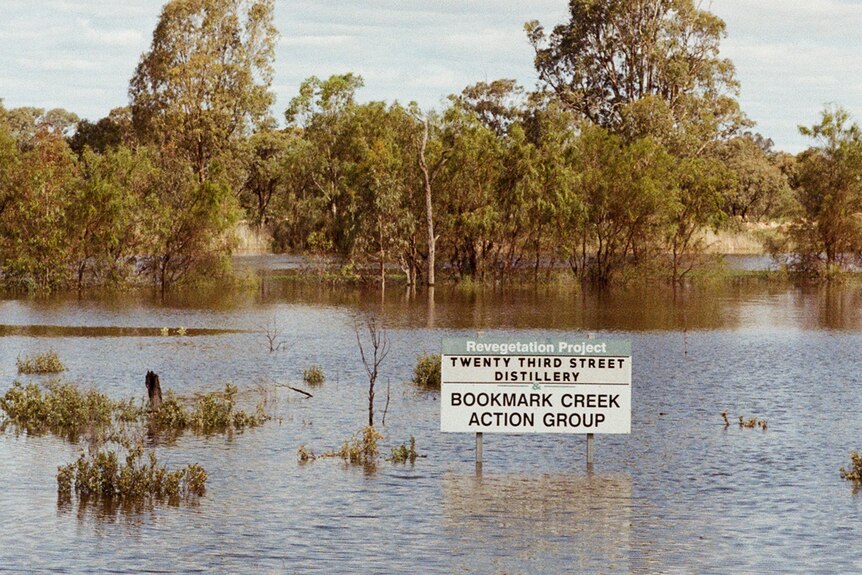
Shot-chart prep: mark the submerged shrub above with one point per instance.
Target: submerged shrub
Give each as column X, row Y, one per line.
column 63, row 409
column 855, row 472
column 403, row 453
column 313, row 375
column 102, row 475
column 360, row 449
column 41, row 363
column 427, row 371
column 305, row 455
column 170, row 414
column 214, row 413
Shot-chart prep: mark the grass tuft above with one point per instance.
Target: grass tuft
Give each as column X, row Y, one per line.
column 40, row 364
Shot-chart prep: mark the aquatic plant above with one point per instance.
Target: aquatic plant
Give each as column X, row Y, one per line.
column 403, row 453
column 62, row 409
column 305, row 455
column 427, row 371
column 40, row 363
column 313, row 375
column 170, row 414
column 102, row 475
column 752, row 422
column 855, row 472
column 214, row 413
column 749, row 423
column 362, row 449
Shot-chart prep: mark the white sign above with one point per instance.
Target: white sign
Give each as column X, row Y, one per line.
column 529, row 386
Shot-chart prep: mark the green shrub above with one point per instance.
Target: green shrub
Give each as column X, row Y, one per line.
column 427, row 371
column 101, row 475
column 403, row 453
column 313, row 375
column 63, row 409
column 360, row 450
column 41, row 363
column 214, row 413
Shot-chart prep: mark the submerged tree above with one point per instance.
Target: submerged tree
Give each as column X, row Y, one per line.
column 827, row 233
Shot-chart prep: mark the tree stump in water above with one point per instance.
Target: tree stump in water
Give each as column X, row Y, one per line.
column 154, row 390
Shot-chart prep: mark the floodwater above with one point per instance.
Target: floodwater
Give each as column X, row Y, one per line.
column 681, row 494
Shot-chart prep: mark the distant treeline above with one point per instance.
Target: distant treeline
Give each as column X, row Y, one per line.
column 632, row 145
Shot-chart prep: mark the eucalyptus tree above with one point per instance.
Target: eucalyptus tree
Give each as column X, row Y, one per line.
column 325, row 112
column 471, row 217
column 614, row 53
column 26, row 122
column 759, row 188
column 826, row 234
column 205, row 82
column 625, row 202
column 34, row 224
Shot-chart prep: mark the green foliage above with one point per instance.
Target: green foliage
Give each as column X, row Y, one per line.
column 427, row 371
column 854, row 473
column 205, row 81
column 215, row 413
column 171, row 415
column 403, row 453
column 40, row 363
column 62, row 409
column 360, row 449
column 103, row 476
column 610, row 55
column 65, row 410
column 826, row 235
column 313, row 375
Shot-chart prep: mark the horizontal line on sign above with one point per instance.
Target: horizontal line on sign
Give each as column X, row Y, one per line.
column 526, row 383
column 533, row 355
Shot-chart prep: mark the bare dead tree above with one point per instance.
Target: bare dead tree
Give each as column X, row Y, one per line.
column 385, row 406
column 273, row 334
column 379, row 350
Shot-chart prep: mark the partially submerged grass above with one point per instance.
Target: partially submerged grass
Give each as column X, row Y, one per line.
column 403, row 453
column 40, row 363
column 854, row 473
column 313, row 375
column 427, row 371
column 363, row 449
column 103, row 476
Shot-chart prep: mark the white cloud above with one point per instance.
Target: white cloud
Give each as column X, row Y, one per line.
column 61, row 64
column 316, row 41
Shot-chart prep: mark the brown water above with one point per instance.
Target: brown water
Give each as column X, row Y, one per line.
column 682, row 493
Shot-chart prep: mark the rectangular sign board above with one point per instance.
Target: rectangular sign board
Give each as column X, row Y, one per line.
column 563, row 385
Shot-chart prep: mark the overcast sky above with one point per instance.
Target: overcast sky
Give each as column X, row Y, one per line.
column 791, row 56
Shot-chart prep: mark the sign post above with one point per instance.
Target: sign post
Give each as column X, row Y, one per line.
column 562, row 385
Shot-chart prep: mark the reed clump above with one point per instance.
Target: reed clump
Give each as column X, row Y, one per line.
column 427, row 371
column 361, row 449
column 40, row 363
column 136, row 479
column 313, row 375
column 404, row 453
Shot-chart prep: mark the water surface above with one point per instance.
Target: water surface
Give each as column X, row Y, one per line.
column 682, row 493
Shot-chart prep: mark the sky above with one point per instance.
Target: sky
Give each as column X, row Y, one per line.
column 792, row 57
